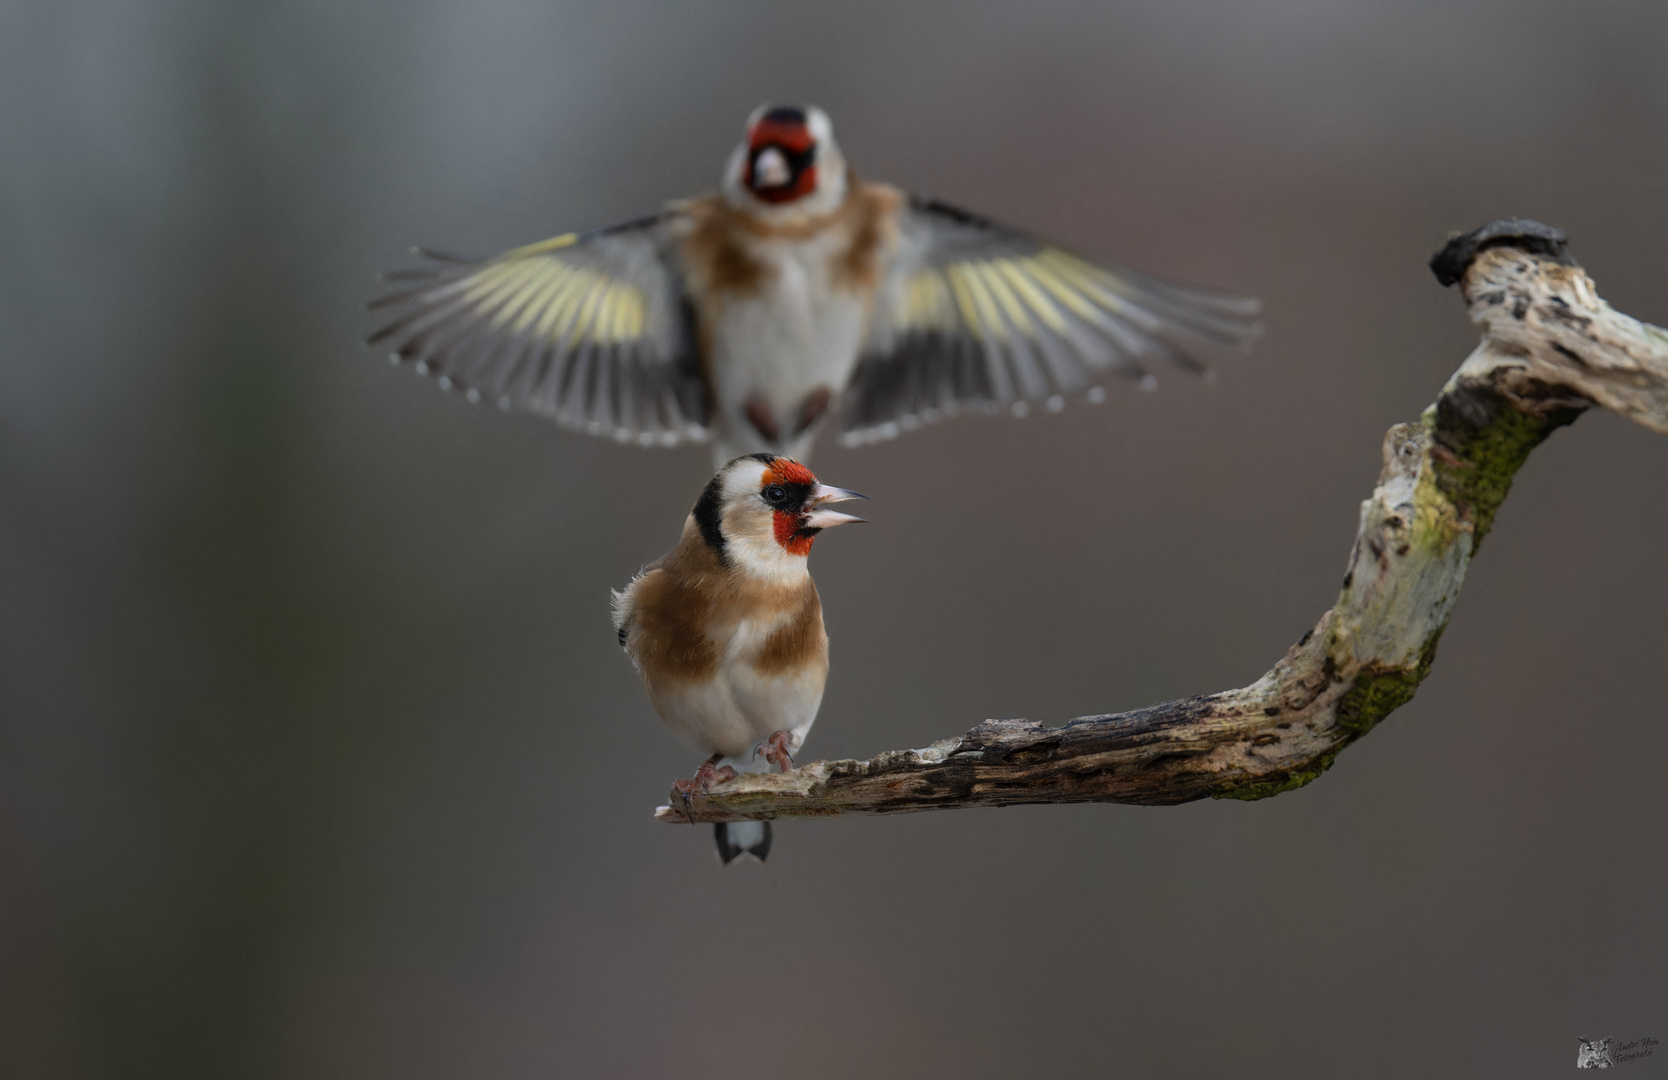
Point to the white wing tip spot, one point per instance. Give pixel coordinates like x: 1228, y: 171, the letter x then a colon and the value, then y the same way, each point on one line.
x: 444, y: 382
x: 422, y: 367
x: 1056, y: 403
x: 1096, y: 395
x: 1148, y: 382
x: 472, y: 395
x: 504, y: 403
x: 394, y: 358
x: 1020, y: 409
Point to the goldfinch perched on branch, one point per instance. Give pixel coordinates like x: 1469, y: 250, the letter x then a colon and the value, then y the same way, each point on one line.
x: 726, y: 628
x: 796, y: 295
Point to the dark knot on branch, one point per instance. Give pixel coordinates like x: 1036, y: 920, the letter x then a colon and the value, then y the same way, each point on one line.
x: 1450, y: 264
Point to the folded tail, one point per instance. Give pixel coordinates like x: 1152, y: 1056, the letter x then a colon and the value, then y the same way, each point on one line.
x: 742, y: 838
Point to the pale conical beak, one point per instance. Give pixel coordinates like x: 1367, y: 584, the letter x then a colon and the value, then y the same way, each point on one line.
x: 822, y: 493
x: 770, y: 168
x: 816, y: 517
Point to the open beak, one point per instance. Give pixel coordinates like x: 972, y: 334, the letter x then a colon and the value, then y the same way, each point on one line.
x: 817, y: 517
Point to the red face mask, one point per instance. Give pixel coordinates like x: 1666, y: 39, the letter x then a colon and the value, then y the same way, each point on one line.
x: 781, y: 160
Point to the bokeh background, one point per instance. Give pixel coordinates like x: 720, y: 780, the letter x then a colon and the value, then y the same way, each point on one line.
x: 317, y: 755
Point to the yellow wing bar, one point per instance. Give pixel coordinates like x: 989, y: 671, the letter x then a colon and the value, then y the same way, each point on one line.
x: 998, y: 297
x: 530, y: 291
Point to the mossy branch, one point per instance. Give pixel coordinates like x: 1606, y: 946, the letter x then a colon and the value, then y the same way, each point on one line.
x: 1550, y: 349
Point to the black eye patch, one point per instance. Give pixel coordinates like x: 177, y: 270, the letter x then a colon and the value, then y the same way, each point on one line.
x: 789, y: 497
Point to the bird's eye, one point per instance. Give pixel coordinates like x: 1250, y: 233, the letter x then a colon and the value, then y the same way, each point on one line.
x: 774, y: 494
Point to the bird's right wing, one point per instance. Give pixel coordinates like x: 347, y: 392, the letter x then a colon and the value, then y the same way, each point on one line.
x: 974, y: 314
x: 590, y: 329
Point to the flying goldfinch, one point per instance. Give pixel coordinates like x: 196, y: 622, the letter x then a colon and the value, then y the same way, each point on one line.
x: 796, y: 296
x: 726, y: 628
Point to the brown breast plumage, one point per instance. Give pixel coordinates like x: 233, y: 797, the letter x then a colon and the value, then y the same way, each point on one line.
x: 686, y: 607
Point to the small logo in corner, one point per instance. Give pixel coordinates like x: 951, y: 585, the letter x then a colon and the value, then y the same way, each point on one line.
x: 1594, y: 1054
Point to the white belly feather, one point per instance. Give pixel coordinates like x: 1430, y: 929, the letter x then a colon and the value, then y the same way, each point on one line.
x: 803, y: 330
x: 740, y: 708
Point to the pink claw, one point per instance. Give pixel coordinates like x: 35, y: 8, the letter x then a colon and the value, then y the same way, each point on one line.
x: 776, y: 751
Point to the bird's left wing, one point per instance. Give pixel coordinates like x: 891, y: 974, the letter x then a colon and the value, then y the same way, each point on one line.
x: 974, y: 314
x: 590, y: 329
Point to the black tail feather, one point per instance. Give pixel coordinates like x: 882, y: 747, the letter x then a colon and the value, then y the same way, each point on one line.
x: 729, y: 848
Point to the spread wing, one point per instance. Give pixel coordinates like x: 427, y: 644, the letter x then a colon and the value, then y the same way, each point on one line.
x: 977, y: 315
x: 590, y: 329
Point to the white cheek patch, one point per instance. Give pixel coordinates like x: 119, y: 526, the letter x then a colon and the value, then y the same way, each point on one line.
x: 822, y: 129
x: 761, y: 557
x: 745, y: 478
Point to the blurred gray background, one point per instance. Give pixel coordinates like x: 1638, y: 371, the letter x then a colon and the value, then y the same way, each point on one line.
x: 317, y: 755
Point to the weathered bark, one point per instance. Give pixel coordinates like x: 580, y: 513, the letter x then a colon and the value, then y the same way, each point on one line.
x: 1550, y: 349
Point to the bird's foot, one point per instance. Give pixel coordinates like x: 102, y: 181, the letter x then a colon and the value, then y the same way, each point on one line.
x: 707, y: 775
x: 776, y: 751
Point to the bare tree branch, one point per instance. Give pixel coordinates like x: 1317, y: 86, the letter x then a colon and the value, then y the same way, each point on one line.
x: 1550, y: 349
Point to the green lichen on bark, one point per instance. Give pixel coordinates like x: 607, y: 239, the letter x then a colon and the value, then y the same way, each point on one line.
x: 1487, y: 438
x: 1378, y: 692
x: 1263, y: 789
x: 1374, y: 696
